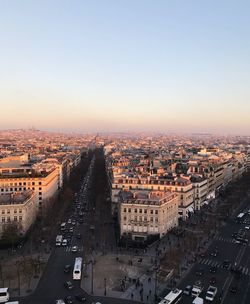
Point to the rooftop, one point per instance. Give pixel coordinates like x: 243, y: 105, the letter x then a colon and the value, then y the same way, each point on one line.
x: 15, y: 198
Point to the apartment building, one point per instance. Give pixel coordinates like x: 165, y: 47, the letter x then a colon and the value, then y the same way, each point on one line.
x: 17, y: 209
x: 146, y: 213
x: 179, y: 185
x: 43, y: 184
x: 200, y: 186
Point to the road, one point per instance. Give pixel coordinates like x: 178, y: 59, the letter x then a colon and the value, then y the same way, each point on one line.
x: 237, y: 254
x: 96, y: 230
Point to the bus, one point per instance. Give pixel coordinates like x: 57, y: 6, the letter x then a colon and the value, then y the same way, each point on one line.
x: 4, y: 295
x: 173, y: 297
x: 63, y: 226
x: 59, y: 239
x: 77, y: 271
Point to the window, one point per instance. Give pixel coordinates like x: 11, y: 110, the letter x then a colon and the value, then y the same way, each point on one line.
x: 156, y: 211
x: 40, y: 183
x: 24, y: 183
x: 135, y: 210
x: 8, y: 219
x: 140, y: 210
x: 145, y: 210
x: 3, y: 219
x: 8, y: 211
x: 33, y: 183
x: 40, y: 188
x: 129, y: 210
x: 20, y: 210
x: 20, y: 184
x: 20, y: 218
x: 15, y: 211
x: 15, y: 218
x: 124, y: 210
x: 124, y: 218
x: 151, y: 219
x: 151, y: 211
x: 40, y: 193
x: 3, y: 211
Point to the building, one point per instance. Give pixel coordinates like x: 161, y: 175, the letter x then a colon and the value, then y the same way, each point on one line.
x: 147, y: 213
x: 17, y: 209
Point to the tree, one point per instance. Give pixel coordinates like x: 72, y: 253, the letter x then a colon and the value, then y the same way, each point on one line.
x: 10, y: 234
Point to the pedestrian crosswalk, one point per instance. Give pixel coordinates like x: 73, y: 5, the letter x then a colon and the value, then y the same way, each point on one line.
x: 217, y: 264
x: 226, y: 240
x: 69, y: 249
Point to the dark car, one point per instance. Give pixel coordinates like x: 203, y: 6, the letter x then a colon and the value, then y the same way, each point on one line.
x: 213, y: 269
x: 212, y: 281
x: 226, y: 264
x: 80, y: 298
x: 67, y: 268
x: 214, y: 253
x: 233, y: 289
x: 199, y: 272
x: 78, y: 236
x: 69, y: 285
x: 69, y: 300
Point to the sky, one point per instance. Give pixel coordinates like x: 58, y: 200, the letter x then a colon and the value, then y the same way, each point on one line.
x: 131, y: 65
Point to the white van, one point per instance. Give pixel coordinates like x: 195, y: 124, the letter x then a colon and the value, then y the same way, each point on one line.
x: 4, y: 295
x: 198, y: 300
x: 14, y: 302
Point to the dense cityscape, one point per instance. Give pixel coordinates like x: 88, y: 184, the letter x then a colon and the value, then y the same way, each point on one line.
x: 144, y: 214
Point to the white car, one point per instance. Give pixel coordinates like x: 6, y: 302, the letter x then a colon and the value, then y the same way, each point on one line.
x: 64, y: 242
x: 60, y: 301
x: 247, y: 227
x: 74, y: 249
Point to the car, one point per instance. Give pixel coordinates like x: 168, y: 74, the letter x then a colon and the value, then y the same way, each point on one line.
x: 68, y: 285
x: 187, y: 290
x: 214, y: 253
x: 69, y: 300
x: 212, y: 281
x: 199, y: 272
x: 67, y: 268
x: 226, y: 264
x: 71, y: 229
x: 60, y: 301
x: 69, y: 221
x: 64, y: 242
x: 233, y: 289
x: 247, y: 227
x: 213, y: 269
x: 78, y: 236
x: 80, y: 298
x: 74, y: 249
x: 73, y: 222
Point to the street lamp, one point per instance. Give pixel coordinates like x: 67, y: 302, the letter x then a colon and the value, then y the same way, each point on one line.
x: 105, y: 286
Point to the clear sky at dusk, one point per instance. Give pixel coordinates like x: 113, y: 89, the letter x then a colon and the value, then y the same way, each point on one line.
x: 170, y: 65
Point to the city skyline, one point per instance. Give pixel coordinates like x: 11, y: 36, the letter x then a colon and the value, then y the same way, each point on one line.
x: 134, y: 66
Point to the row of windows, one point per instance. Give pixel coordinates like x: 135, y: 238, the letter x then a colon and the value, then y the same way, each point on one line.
x: 19, y: 189
x: 8, y: 211
x: 152, y: 219
x: 7, y: 220
x: 22, y: 184
x: 140, y: 211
